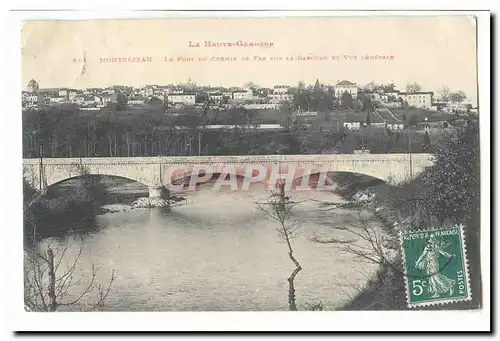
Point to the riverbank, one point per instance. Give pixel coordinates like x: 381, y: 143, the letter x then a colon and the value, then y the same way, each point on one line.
x: 74, y: 204
x: 385, y: 290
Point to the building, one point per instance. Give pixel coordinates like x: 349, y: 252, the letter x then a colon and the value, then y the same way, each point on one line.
x: 373, y: 96
x: 243, y: 94
x: 147, y: 91
x: 56, y: 100
x: 32, y: 86
x: 361, y: 151
x: 216, y: 97
x: 161, y: 97
x: 421, y: 99
x: 392, y: 95
x: 378, y: 124
x: 88, y: 100
x: 49, y: 92
x: 281, y: 89
x: 261, y: 106
x: 72, y: 94
x: 30, y: 99
x: 280, y: 97
x: 394, y: 105
x: 89, y: 91
x: 107, y: 98
x: 136, y: 100
x: 395, y: 126
x: 89, y: 108
x: 280, y: 94
x: 79, y: 99
x: 306, y: 113
x: 345, y: 86
x: 352, y: 125
x: 174, y: 90
x: 63, y: 93
x: 184, y: 98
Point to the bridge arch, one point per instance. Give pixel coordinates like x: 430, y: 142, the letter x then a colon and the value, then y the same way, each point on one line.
x: 83, y: 176
x: 330, y: 173
x: 384, y: 171
x: 185, y: 179
x: 55, y: 173
x: 330, y: 176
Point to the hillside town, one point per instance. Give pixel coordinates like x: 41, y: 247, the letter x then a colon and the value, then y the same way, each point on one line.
x: 385, y: 100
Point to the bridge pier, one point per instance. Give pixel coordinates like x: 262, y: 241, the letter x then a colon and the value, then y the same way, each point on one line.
x: 158, y: 192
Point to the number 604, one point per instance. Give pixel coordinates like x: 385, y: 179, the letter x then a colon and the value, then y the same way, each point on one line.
x: 418, y: 287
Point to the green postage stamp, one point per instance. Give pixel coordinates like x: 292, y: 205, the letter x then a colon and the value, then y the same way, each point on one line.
x: 435, y: 266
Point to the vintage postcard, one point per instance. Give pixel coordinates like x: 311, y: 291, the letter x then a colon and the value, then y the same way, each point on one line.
x: 326, y: 163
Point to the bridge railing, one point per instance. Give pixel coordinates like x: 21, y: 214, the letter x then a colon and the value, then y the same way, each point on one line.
x: 238, y: 159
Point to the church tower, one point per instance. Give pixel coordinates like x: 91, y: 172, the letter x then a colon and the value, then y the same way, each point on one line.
x: 32, y: 86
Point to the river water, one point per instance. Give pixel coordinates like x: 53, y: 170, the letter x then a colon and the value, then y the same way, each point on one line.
x: 219, y: 252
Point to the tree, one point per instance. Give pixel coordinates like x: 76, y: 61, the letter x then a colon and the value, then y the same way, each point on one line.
x: 371, y: 243
x: 279, y: 208
x: 317, y: 86
x: 372, y: 86
x: 346, y: 100
x: 292, y: 144
x: 368, y: 118
x: 427, y: 141
x: 48, y: 285
x: 250, y: 85
x: 413, y: 120
x: 153, y: 100
x: 202, y: 98
x: 453, y: 180
x: 121, y: 101
x: 414, y: 87
x: 388, y: 87
x: 444, y: 92
x: 457, y: 97
x: 366, y: 102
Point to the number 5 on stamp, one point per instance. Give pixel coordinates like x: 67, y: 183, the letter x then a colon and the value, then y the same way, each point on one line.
x: 435, y: 266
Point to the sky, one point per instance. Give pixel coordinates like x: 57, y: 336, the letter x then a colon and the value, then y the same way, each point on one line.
x: 431, y: 51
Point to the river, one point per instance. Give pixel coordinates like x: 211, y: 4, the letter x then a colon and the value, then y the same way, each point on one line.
x: 219, y: 252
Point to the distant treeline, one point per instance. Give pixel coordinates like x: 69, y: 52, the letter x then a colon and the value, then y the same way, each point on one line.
x: 54, y: 132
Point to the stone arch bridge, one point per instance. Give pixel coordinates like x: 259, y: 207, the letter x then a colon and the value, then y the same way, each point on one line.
x: 155, y: 172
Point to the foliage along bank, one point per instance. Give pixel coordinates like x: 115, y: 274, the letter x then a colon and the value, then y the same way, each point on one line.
x: 444, y: 194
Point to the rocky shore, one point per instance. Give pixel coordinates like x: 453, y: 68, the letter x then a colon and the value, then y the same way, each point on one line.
x: 143, y: 202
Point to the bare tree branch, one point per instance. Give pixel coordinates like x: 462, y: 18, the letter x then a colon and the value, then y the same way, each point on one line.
x: 279, y: 208
x: 46, y: 289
